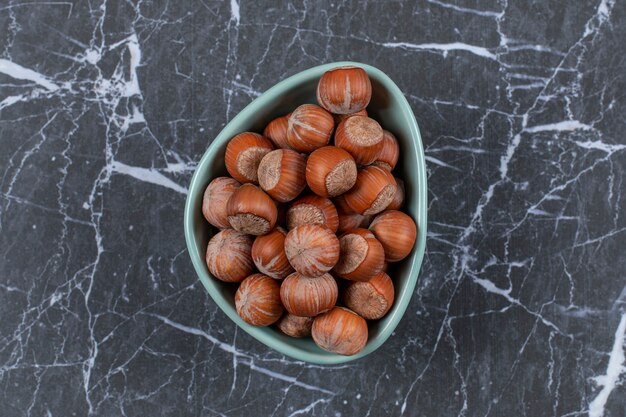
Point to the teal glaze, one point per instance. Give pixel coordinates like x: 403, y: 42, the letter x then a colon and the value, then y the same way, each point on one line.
x: 391, y: 109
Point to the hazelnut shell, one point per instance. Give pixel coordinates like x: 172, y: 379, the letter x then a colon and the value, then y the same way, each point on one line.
x: 361, y: 256
x: 353, y: 221
x: 344, y: 90
x: 295, y: 326
x: 397, y: 232
x: 341, y: 205
x: 340, y: 331
x: 389, y: 152
x: 282, y: 174
x: 330, y: 171
x: 373, y: 191
x: 215, y: 200
x: 398, y: 198
x: 371, y: 299
x: 228, y: 256
x: 308, y: 296
x: 312, y: 209
x: 268, y: 254
x: 251, y: 211
x: 309, y: 128
x: 312, y: 249
x: 257, y: 300
x: 243, y: 155
x: 361, y: 137
x: 276, y: 131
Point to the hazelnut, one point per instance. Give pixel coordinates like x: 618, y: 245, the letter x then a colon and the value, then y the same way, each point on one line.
x: 389, y: 153
x: 243, y: 155
x: 257, y: 300
x: 215, y: 199
x: 251, y: 211
x: 330, y: 171
x: 340, y: 331
x: 310, y: 127
x: 361, y: 256
x: 344, y: 90
x: 341, y: 205
x: 312, y: 209
x: 362, y: 137
x: 228, y: 256
x: 295, y: 326
x: 308, y: 296
x: 312, y: 249
x: 268, y: 254
x: 397, y: 232
x: 372, y: 299
x: 282, y: 174
x: 373, y: 191
x: 276, y: 131
x: 341, y: 117
x: 398, y: 197
x: 353, y: 221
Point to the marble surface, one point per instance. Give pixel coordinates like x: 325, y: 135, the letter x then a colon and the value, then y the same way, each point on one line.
x: 106, y: 106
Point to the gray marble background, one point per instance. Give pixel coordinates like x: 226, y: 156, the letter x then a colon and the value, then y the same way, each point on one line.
x: 106, y: 106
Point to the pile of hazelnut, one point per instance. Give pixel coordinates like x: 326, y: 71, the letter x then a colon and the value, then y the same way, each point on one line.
x: 314, y: 220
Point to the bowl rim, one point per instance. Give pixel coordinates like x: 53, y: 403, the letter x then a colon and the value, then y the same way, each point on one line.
x: 210, y: 284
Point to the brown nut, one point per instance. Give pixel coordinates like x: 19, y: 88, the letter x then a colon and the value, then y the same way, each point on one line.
x: 257, y: 300
x: 341, y: 117
x: 282, y: 174
x: 312, y: 249
x: 361, y: 256
x: 228, y: 256
x: 340, y: 331
x: 342, y: 206
x: 295, y: 326
x: 372, y: 299
x: 215, y: 200
x: 268, y: 254
x: 312, y: 209
x: 330, y: 171
x: 308, y: 296
x: 373, y: 191
x: 276, y: 131
x: 353, y: 221
x: 398, y: 197
x: 397, y: 232
x: 344, y: 90
x: 362, y: 137
x: 243, y: 155
x: 389, y: 153
x: 251, y: 211
x: 310, y: 127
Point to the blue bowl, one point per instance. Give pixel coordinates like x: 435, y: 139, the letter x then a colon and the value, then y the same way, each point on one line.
x: 391, y: 109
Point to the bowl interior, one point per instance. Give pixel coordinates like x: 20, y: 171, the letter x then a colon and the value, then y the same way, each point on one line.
x: 390, y: 108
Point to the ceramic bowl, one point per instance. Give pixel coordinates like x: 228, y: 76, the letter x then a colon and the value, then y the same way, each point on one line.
x: 391, y: 109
